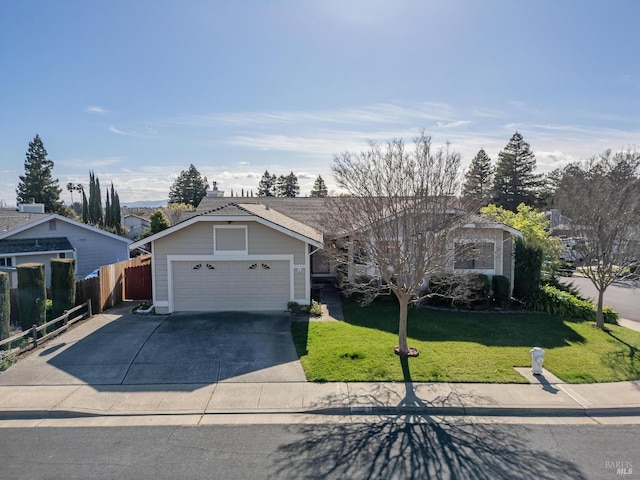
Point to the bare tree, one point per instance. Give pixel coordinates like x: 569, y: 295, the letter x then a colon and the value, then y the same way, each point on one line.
x: 397, y: 223
x: 177, y: 211
x: 601, y: 197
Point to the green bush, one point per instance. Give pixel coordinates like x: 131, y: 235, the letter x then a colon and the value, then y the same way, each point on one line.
x: 449, y: 289
x: 552, y: 300
x: 5, y: 306
x: 32, y: 294
x: 500, y: 285
x: 527, y: 271
x: 315, y: 308
x: 63, y: 285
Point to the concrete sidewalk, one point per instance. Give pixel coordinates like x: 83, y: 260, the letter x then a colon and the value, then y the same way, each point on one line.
x: 74, y: 402
x: 230, y: 402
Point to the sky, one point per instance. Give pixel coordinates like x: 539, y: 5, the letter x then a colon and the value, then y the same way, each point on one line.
x: 136, y: 91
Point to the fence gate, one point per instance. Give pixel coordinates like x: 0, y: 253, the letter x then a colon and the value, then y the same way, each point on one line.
x: 137, y: 282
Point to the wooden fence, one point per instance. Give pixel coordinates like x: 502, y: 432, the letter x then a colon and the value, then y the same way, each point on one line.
x: 64, y: 321
x: 112, y: 280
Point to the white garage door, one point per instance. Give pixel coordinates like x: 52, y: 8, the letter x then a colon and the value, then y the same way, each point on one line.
x: 230, y: 285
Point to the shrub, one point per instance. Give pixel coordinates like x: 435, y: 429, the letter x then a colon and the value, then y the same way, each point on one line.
x: 447, y: 290
x: 5, y: 306
x: 32, y: 294
x: 293, y: 307
x: 63, y: 285
x: 315, y: 308
x: 552, y: 300
x: 500, y: 285
x: 527, y: 271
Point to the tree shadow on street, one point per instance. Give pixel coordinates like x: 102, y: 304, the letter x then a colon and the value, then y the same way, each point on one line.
x: 416, y: 445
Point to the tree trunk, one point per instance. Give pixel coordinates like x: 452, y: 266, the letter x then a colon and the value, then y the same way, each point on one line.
x: 599, y: 315
x: 402, y: 326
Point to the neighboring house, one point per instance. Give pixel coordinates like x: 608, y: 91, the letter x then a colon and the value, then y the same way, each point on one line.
x: 260, y: 253
x: 136, y: 225
x: 30, y: 235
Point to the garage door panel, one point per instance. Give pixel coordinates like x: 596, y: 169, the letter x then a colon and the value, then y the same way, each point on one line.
x: 231, y: 285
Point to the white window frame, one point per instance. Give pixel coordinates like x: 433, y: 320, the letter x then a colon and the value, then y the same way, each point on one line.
x: 231, y: 252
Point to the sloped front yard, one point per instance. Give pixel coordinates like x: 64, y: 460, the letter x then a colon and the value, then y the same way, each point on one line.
x: 462, y: 347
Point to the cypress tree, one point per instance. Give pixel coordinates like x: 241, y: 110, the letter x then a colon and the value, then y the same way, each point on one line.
x: 63, y: 285
x: 5, y: 306
x: 32, y: 294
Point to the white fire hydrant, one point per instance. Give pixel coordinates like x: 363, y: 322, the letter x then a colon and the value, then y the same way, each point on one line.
x: 537, y: 359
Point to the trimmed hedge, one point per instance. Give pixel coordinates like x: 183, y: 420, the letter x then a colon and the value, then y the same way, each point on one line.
x: 63, y: 285
x: 452, y: 289
x: 500, y: 285
x: 5, y: 306
x: 552, y: 300
x: 32, y: 294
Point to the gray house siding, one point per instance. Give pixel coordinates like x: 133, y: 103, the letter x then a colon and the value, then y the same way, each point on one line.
x: 93, y: 249
x: 197, y: 240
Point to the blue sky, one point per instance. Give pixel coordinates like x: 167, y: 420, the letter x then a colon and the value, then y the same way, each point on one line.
x: 138, y: 90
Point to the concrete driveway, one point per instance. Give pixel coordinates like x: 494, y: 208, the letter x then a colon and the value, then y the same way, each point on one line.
x: 118, y: 348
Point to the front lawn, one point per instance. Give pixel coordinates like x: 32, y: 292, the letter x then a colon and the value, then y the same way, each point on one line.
x: 462, y: 347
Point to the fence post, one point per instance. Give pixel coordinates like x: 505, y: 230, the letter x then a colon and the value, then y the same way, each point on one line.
x: 66, y: 317
x: 34, y: 332
x: 89, y: 311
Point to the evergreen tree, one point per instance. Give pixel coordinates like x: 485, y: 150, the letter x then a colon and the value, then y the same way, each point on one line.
x: 266, y: 187
x: 108, y: 222
x: 94, y: 216
x: 479, y: 179
x: 319, y: 188
x: 514, y: 180
x: 290, y: 188
x: 116, y: 214
x: 190, y: 187
x: 85, y: 208
x: 37, y: 183
x: 158, y: 222
x: 280, y: 186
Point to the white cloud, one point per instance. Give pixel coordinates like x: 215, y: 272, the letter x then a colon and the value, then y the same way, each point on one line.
x: 113, y: 129
x: 96, y: 110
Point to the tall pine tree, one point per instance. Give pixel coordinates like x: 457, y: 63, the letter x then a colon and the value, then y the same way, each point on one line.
x: 190, y: 187
x: 267, y: 185
x: 478, y: 182
x: 291, y: 188
x: 514, y: 180
x: 319, y: 188
x: 37, y: 184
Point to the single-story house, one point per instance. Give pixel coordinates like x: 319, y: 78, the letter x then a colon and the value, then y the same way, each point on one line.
x: 135, y: 224
x: 260, y: 253
x: 30, y: 235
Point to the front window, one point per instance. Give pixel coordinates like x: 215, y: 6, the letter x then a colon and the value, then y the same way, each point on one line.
x: 5, y: 261
x: 474, y: 256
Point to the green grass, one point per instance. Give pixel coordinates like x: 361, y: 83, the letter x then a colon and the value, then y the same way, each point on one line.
x: 462, y: 347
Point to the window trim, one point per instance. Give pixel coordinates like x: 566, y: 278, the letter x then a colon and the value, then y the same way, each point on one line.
x: 473, y: 260
x: 231, y: 252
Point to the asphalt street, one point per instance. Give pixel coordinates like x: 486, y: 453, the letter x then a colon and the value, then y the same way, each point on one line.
x: 385, y: 450
x: 621, y: 296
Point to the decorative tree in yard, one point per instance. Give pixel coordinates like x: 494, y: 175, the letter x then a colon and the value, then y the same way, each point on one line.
x: 514, y: 179
x: 479, y: 179
x: 319, y: 188
x: 37, y: 184
x: 190, y: 187
x: 394, y: 228
x: 601, y: 197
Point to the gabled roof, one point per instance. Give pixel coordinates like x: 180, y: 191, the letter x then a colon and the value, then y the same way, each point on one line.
x: 12, y: 222
x: 229, y: 211
x: 35, y: 245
